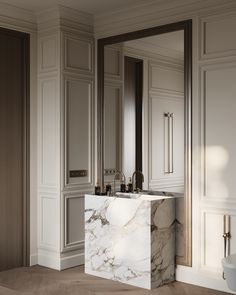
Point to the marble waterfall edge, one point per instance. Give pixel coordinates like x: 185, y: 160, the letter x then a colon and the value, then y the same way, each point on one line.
x: 130, y: 240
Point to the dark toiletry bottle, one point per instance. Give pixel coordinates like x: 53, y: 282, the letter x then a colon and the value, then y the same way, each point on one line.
x: 122, y: 187
x: 129, y: 186
x: 108, y: 189
x: 97, y: 189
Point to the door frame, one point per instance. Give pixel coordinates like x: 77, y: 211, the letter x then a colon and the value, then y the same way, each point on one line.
x: 25, y: 39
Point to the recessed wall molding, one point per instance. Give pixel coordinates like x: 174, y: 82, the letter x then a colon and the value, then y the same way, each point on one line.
x: 217, y: 39
x: 73, y: 237
x: 160, y: 75
x: 212, y: 243
x: 48, y: 132
x: 78, y: 46
x: 158, y: 105
x: 78, y: 112
x: 213, y: 107
x: 113, y: 63
x: 48, y: 53
x: 48, y: 220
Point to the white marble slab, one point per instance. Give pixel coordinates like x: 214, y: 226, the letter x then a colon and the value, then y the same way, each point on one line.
x: 131, y: 240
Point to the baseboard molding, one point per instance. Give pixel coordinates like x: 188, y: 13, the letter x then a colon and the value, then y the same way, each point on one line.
x: 50, y: 260
x: 72, y: 261
x: 33, y: 259
x: 201, y: 278
x: 55, y: 261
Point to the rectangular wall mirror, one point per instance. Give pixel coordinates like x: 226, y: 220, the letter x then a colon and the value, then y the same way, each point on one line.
x: 144, y: 115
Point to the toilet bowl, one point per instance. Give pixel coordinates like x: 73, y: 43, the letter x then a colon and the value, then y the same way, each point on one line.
x: 229, y: 266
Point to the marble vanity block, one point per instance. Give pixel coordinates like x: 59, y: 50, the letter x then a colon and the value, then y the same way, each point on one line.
x: 130, y: 240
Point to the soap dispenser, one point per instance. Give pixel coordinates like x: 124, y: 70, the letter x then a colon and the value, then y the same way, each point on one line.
x: 129, y: 186
x: 97, y: 189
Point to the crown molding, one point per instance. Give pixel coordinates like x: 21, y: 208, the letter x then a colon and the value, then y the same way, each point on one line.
x: 155, y: 13
x: 154, y: 49
x: 16, y: 18
x: 61, y: 16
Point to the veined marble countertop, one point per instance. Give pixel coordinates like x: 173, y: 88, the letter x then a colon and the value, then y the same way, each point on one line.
x: 149, y: 195
x: 130, y: 239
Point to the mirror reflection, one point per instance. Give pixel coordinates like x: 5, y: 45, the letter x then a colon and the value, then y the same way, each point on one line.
x: 144, y: 117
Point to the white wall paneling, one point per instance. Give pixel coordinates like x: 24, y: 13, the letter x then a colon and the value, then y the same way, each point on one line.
x: 217, y: 68
x: 113, y: 62
x: 49, y: 132
x: 166, y: 150
x: 213, y: 46
x: 162, y: 74
x: 49, y: 220
x: 218, y: 36
x: 212, y: 242
x: 158, y: 106
x: 66, y: 134
x: 218, y: 105
x: 48, y: 53
x: 78, y: 54
x: 73, y: 216
x: 79, y: 130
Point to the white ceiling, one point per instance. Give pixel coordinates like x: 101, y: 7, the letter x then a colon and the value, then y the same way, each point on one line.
x: 90, y: 6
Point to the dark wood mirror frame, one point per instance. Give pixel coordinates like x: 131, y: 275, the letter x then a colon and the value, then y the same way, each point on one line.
x: 186, y: 26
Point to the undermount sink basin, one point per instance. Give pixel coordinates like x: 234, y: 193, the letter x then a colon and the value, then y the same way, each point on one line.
x: 149, y: 195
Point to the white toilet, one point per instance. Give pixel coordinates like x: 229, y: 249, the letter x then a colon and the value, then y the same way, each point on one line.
x: 229, y: 266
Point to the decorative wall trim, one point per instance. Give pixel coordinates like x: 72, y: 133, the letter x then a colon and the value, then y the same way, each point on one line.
x: 204, y: 229
x: 72, y: 260
x: 49, y: 259
x: 54, y: 228
x: 162, y: 96
x: 204, y: 68
x: 119, y: 75
x: 48, y: 49
x: 76, y: 245
x: 165, y: 67
x: 65, y: 17
x: 89, y: 184
x: 204, y: 21
x: 89, y: 69
x: 204, y: 279
x: 156, y: 14
x: 55, y: 261
x: 52, y: 98
x: 16, y: 18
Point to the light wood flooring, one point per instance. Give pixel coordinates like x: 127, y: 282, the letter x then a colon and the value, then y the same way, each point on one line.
x: 42, y: 281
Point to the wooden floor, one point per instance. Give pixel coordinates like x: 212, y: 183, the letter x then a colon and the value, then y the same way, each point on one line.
x: 39, y: 280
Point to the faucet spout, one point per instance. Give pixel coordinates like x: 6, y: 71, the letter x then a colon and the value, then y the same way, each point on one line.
x: 133, y: 183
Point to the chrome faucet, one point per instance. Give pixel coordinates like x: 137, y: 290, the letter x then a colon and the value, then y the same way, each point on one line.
x: 137, y: 188
x: 122, y: 176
